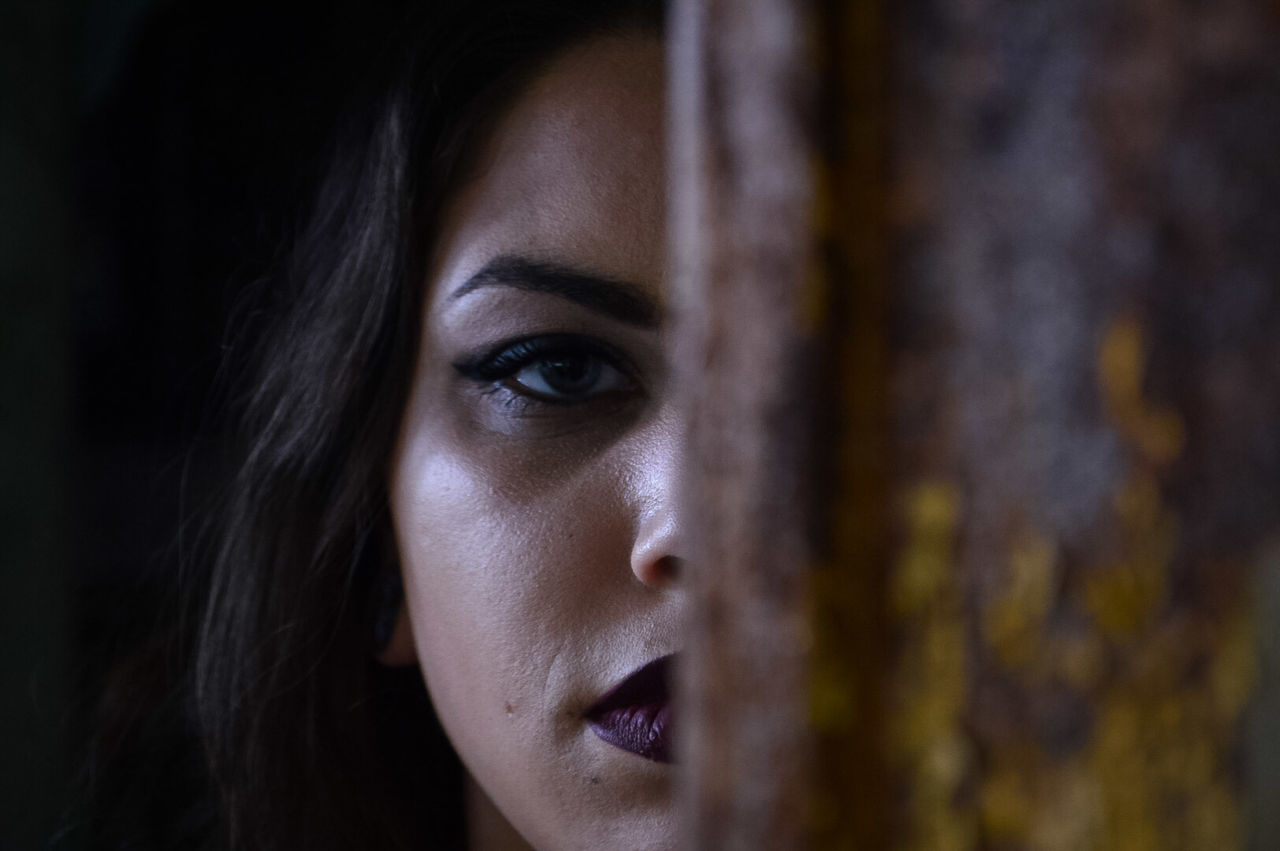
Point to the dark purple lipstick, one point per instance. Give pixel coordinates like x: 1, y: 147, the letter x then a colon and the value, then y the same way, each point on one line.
x: 635, y: 715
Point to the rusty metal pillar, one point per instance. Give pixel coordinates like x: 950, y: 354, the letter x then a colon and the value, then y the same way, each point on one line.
x: 742, y: 201
x: 780, y: 277
x: 1087, y: 406
x: 980, y: 315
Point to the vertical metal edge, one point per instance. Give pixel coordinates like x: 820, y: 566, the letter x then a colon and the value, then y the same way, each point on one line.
x: 1262, y: 731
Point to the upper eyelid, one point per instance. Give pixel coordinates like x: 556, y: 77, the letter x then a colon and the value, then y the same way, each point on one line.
x: 476, y: 364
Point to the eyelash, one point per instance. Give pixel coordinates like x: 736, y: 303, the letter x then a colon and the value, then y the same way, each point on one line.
x: 502, y: 365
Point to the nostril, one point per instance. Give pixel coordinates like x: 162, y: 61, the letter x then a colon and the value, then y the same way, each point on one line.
x: 667, y: 571
x: 660, y: 574
x: 655, y: 555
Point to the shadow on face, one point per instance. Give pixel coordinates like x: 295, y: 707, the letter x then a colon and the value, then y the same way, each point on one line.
x: 532, y: 487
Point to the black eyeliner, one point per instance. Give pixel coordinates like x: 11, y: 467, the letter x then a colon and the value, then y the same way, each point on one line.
x: 506, y: 358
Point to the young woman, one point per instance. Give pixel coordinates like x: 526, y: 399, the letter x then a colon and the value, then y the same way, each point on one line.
x: 461, y: 390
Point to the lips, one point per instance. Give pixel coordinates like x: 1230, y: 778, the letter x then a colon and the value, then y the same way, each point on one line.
x: 635, y: 715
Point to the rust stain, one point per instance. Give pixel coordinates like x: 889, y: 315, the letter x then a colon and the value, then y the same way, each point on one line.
x: 925, y: 566
x: 1127, y: 596
x: 927, y: 739
x: 1014, y: 622
x: 1167, y: 681
x: 1157, y: 432
x: 1167, y: 715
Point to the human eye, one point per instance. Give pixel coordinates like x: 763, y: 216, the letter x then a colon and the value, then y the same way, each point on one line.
x: 557, y: 369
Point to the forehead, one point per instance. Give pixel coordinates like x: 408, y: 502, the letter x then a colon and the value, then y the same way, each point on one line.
x: 573, y: 172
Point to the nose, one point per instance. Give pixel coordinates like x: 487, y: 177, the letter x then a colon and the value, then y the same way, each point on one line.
x: 654, y: 557
x: 657, y: 554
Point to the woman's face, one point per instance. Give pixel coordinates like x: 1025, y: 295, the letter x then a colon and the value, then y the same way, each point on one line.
x: 533, y: 484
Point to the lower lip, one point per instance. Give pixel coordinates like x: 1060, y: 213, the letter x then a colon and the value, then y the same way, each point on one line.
x: 642, y: 730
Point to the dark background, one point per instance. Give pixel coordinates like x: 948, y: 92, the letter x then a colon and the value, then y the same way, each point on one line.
x: 152, y: 153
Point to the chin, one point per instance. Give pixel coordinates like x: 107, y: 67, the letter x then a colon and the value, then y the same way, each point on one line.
x: 608, y: 816
x: 656, y: 833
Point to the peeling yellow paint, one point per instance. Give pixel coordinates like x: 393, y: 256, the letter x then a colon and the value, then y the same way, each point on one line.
x: 1167, y: 680
x: 1158, y: 433
x: 1127, y: 595
x: 1069, y: 810
x: 1234, y: 674
x: 930, y: 690
x: 1163, y: 733
x: 1079, y: 660
x: 926, y: 562
x: 831, y: 699
x: 1013, y: 624
x: 1008, y: 806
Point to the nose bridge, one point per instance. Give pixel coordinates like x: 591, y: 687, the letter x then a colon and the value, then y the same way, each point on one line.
x: 657, y: 553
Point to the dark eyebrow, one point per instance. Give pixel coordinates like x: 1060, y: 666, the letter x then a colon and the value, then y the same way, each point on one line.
x: 618, y: 300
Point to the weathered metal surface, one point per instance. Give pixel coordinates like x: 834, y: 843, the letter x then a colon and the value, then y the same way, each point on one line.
x: 986, y: 453
x: 1087, y: 400
x: 850, y: 657
x: 742, y: 220
x: 781, y: 263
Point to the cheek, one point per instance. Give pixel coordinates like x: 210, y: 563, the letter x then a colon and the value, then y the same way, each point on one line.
x: 509, y: 576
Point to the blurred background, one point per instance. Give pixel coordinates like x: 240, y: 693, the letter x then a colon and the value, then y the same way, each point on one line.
x: 150, y: 152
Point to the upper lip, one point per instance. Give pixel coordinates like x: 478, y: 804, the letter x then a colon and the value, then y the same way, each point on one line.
x: 648, y: 683
x: 635, y: 714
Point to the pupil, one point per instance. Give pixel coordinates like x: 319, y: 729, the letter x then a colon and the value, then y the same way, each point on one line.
x: 569, y: 375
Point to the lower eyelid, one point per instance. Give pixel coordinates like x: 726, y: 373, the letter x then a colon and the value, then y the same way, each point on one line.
x: 505, y: 411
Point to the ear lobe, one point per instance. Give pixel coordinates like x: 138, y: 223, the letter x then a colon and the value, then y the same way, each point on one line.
x: 399, y: 650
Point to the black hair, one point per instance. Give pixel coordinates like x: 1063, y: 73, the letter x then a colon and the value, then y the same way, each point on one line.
x: 306, y: 741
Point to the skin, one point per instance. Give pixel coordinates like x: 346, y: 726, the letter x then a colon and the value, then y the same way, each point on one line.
x: 538, y: 531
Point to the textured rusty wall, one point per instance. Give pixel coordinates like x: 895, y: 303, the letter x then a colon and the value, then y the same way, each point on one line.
x: 1087, y: 401
x: 742, y: 216
x: 981, y: 312
x: 780, y: 269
